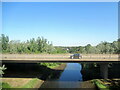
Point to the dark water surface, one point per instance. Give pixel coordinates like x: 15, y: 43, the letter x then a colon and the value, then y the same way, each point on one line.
x: 71, y: 77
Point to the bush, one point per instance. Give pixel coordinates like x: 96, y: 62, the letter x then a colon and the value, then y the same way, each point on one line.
x: 2, y: 69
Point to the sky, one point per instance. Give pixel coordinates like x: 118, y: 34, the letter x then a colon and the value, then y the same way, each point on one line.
x: 62, y: 23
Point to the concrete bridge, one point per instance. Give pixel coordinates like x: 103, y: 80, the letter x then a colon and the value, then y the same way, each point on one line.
x: 34, y: 58
x: 101, y: 59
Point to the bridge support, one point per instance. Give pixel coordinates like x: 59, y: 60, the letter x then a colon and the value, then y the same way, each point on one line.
x: 104, y: 70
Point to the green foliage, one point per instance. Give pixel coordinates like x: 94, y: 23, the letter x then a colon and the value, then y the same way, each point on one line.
x: 73, y: 50
x: 81, y: 49
x: 60, y: 50
x: 100, y: 85
x: 2, y: 69
x: 4, y: 40
x: 102, y: 48
x: 5, y: 85
x: 106, y: 84
x: 41, y: 45
x: 50, y: 65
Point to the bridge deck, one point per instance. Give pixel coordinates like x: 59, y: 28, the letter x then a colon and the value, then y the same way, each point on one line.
x: 9, y: 58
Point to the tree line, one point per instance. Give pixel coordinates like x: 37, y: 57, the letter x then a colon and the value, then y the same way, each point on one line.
x: 42, y: 45
x: 39, y: 45
x: 101, y: 48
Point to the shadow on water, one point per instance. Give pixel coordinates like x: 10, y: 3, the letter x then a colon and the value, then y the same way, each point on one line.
x: 22, y: 70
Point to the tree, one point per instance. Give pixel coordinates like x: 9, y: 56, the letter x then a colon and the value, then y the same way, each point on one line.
x: 87, y: 48
x: 41, y: 45
x: 81, y: 49
x: 73, y: 50
x: 33, y: 45
x: 4, y: 40
x: 115, y: 46
x: 102, y: 47
x: 13, y: 44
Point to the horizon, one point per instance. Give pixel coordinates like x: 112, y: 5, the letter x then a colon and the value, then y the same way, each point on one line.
x: 63, y: 23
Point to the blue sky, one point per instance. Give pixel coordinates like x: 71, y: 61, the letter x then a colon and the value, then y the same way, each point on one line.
x: 62, y: 23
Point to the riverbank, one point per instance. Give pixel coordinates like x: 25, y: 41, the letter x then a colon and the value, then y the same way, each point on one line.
x: 99, y: 84
x: 21, y: 82
x: 88, y: 85
x: 108, y: 84
x: 44, y: 73
x: 92, y: 71
x: 31, y: 77
x: 60, y: 67
x: 69, y: 78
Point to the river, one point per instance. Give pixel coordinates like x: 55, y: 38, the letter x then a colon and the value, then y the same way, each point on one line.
x: 71, y: 77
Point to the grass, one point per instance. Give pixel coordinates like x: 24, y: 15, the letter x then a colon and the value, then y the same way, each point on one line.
x: 102, y: 84
x: 31, y: 84
x: 5, y: 85
x: 50, y: 65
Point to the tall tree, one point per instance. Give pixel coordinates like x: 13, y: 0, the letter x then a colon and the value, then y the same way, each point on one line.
x: 4, y: 42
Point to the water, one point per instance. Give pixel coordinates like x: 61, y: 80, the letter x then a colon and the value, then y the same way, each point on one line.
x: 71, y: 73
x: 70, y: 78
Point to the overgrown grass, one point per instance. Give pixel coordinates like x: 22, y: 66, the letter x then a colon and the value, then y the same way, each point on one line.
x: 50, y: 65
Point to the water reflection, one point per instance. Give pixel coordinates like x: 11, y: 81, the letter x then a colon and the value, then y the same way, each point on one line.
x: 70, y: 78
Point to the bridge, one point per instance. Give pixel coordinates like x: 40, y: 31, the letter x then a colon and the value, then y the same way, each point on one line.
x: 13, y: 60
x: 34, y: 58
x: 102, y: 59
